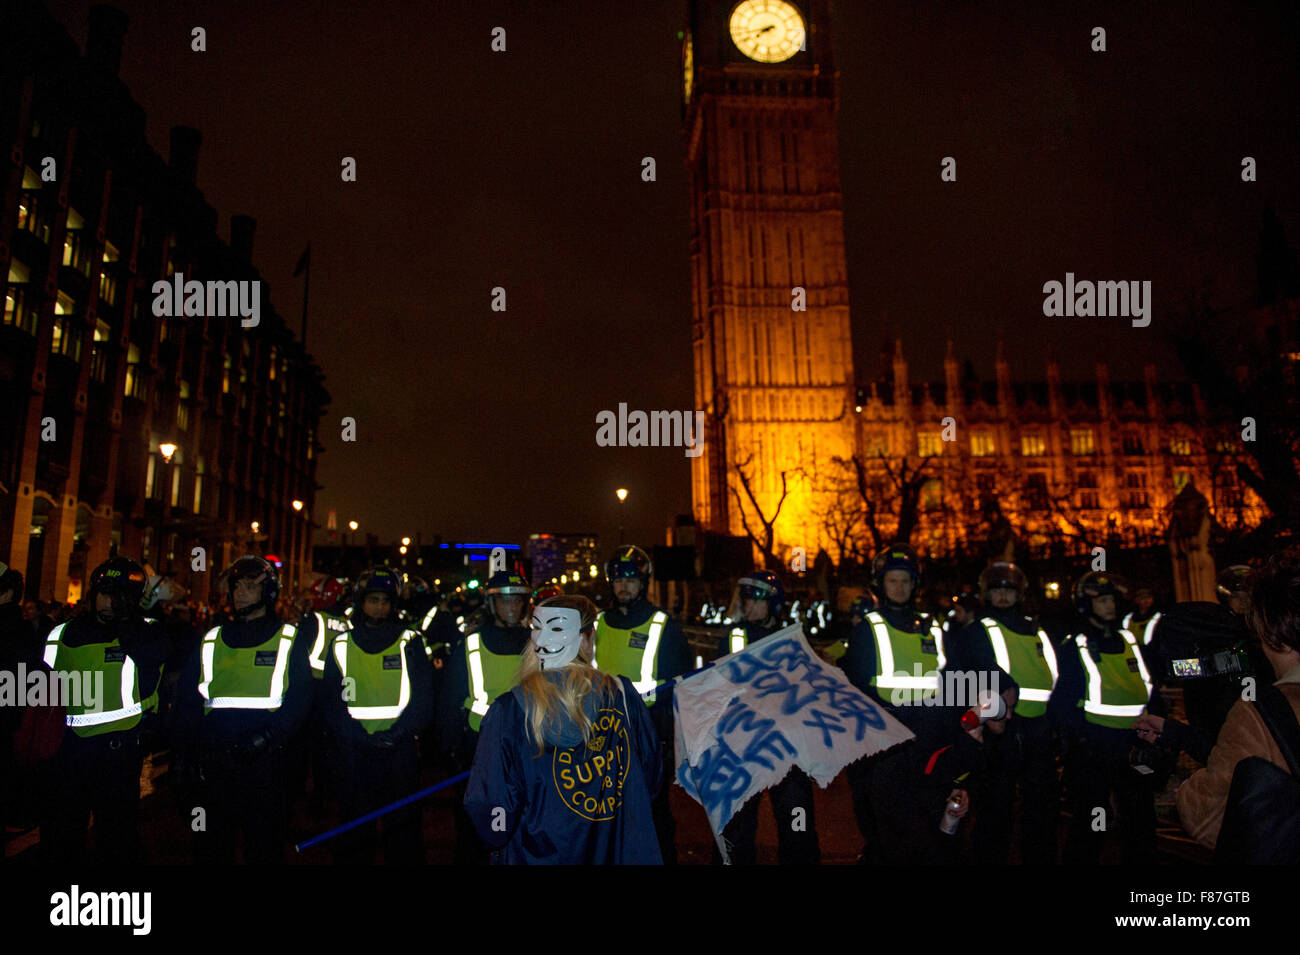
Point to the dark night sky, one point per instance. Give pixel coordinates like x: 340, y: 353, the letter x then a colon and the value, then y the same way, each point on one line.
x: 522, y: 169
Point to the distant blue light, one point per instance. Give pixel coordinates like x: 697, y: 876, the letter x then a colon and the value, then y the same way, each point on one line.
x: 478, y: 557
x: 485, y: 546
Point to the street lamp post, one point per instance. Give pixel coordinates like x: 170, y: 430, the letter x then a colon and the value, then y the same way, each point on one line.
x: 298, y: 544
x: 622, y: 496
x: 167, y: 449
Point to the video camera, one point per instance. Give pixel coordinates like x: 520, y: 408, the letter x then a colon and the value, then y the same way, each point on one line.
x: 1200, y: 640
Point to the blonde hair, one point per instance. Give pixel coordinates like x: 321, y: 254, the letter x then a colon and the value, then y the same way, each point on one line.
x: 546, y: 699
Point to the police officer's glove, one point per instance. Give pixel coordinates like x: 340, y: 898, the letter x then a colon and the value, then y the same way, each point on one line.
x: 254, y: 744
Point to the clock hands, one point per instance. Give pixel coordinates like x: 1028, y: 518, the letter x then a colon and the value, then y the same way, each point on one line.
x: 770, y: 26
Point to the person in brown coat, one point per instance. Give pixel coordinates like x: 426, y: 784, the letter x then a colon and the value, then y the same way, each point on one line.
x: 1275, y: 617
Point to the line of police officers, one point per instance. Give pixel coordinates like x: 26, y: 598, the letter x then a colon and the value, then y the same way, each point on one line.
x: 367, y: 680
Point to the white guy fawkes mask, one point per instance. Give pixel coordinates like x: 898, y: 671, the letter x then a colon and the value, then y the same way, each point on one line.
x: 557, y: 633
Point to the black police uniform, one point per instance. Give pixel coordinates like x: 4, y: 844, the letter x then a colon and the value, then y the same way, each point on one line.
x: 1097, y: 761
x: 859, y: 664
x: 380, y: 768
x: 793, y: 792
x: 458, y: 741
x: 672, y: 661
x: 240, y: 753
x: 1023, y: 755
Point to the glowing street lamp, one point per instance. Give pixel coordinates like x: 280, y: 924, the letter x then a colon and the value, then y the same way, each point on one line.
x: 622, y: 496
x: 353, y: 525
x: 167, y: 450
x: 406, y: 542
x: 297, y: 505
x: 257, y: 528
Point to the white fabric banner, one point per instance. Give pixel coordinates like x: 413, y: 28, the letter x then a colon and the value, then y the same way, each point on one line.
x: 743, y: 723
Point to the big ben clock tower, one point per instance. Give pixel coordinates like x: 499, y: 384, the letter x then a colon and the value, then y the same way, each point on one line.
x: 770, y: 332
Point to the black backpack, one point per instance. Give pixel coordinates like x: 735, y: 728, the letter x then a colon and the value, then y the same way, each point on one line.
x: 1261, y: 823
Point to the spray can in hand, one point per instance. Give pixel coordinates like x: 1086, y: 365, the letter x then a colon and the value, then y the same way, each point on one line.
x: 952, y: 813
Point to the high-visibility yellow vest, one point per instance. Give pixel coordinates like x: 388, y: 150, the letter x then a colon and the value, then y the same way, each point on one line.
x: 631, y: 652
x: 906, y: 662
x: 1148, y: 630
x: 121, y: 709
x: 328, y: 627
x: 490, y: 675
x: 1028, y: 658
x: 245, y: 678
x: 737, y: 640
x: 381, y: 687
x: 1118, y: 687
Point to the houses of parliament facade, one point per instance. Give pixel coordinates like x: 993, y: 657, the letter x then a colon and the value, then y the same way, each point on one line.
x: 794, y: 437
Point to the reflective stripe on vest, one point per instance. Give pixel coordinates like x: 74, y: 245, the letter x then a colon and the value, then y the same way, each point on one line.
x: 1120, y: 715
x: 888, y: 676
x: 487, y: 683
x: 317, y: 656
x: 738, y: 639
x: 274, y: 697
x: 621, y: 656
x: 1148, y: 632
x: 376, y: 712
x: 1031, y: 684
x: 424, y: 627
x: 128, y: 688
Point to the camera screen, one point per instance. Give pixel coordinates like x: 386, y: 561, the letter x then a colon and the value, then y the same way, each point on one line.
x: 1190, y: 667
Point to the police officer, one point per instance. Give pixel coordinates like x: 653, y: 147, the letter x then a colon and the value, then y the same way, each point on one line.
x: 484, y: 665
x: 380, y: 697
x: 636, y: 639
x: 894, y: 656
x: 757, y: 607
x: 110, y: 651
x: 245, y: 692
x: 1105, y: 685
x: 1142, y: 620
x: 1003, y: 637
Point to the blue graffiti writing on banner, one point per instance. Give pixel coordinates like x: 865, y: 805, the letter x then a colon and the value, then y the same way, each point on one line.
x: 863, y: 712
x: 766, y: 737
x: 775, y: 681
x: 769, y: 658
x: 747, y: 739
x: 819, y: 721
x: 721, y: 779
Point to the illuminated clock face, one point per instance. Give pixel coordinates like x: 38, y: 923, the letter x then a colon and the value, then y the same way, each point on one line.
x: 769, y: 31
x: 688, y: 66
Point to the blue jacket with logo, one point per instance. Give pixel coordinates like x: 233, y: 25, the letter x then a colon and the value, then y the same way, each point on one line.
x: 577, y: 803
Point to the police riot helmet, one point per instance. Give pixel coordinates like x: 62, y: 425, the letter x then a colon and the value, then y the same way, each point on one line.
x: 259, y: 570
x: 1096, y: 583
x: 121, y: 579
x: 378, y: 580
x: 629, y: 561
x: 898, y: 556
x: 506, y: 583
x: 1232, y: 581
x: 763, y: 585
x: 1003, y: 575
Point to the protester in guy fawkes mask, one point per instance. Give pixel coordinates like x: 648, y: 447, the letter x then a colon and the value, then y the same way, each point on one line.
x: 566, y: 713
